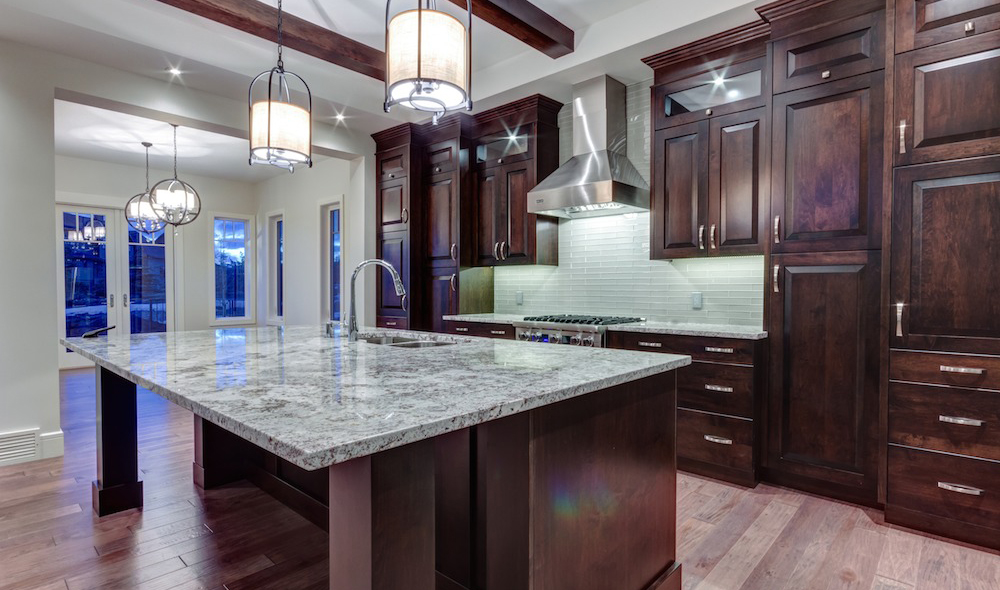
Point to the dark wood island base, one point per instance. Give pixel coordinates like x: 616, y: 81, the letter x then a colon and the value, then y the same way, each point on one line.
x: 579, y: 494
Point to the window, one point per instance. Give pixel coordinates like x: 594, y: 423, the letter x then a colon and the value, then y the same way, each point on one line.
x: 233, y: 269
x: 335, y: 264
x: 275, y: 261
x: 331, y: 260
x: 280, y: 265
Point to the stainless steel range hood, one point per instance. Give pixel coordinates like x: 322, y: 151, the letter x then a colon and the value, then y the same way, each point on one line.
x: 599, y: 179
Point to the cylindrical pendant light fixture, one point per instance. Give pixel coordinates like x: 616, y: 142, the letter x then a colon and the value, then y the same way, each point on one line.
x: 173, y: 200
x: 428, y: 59
x: 139, y: 210
x: 280, y: 130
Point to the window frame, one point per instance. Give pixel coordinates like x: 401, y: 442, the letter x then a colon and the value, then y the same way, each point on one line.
x: 250, y: 276
x: 273, y: 217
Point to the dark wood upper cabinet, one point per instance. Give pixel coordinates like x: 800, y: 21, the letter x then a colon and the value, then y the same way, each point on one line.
x: 737, y: 87
x: 679, y: 195
x: 823, y: 408
x: 442, y: 156
x: 393, y: 163
x: 827, y: 165
x: 513, y: 228
x: 443, y: 217
x: 948, y: 101
x: 488, y: 197
x: 393, y: 204
x: 920, y: 23
x: 946, y: 257
x: 834, y: 52
x: 737, y: 185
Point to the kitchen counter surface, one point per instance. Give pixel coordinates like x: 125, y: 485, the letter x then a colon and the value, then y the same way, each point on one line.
x: 316, y: 401
x: 651, y: 327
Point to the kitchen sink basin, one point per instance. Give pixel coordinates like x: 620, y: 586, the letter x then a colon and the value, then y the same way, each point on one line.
x: 402, y: 342
x: 421, y: 344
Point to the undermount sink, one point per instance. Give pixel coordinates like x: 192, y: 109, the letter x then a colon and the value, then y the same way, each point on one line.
x: 401, y: 342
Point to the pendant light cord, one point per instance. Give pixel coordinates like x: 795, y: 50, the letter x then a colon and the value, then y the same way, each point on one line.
x: 175, y: 152
x: 147, y: 168
x: 281, y: 63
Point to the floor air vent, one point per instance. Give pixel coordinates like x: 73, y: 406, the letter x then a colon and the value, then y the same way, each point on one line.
x: 16, y: 447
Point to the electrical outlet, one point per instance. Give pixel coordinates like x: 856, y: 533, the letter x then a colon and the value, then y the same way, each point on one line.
x: 519, y: 297
x: 697, y: 300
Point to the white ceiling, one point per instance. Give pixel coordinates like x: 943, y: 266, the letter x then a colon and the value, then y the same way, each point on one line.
x: 92, y: 133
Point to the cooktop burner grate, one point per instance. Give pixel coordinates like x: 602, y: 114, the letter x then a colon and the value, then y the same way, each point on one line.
x: 588, y: 320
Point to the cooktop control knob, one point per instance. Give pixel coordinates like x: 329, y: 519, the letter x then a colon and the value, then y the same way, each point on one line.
x: 575, y: 340
x: 524, y: 336
x: 588, y: 341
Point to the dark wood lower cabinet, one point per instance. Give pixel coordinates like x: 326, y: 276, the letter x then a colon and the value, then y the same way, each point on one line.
x: 822, y: 414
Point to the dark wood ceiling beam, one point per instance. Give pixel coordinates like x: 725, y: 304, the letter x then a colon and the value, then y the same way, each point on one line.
x: 259, y: 19
x: 527, y: 23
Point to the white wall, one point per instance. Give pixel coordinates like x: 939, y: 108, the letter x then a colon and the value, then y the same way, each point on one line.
x: 101, y: 184
x: 299, y: 198
x: 29, y: 80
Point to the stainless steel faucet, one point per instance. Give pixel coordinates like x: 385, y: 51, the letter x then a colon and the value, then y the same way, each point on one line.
x: 352, y: 325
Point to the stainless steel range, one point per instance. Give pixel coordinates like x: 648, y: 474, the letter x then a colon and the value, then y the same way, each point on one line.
x: 577, y: 330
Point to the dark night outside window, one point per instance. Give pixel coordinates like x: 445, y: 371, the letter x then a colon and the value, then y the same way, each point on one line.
x: 280, y: 266
x: 230, y: 268
x: 335, y: 264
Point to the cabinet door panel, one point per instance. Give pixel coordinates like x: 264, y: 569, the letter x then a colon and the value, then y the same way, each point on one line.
x: 393, y: 205
x: 948, y: 101
x: 827, y: 166
x: 444, y: 297
x: 488, y: 195
x: 822, y: 412
x: 735, y: 200
x: 920, y: 23
x: 394, y: 163
x: 946, y: 256
x: 680, y: 192
x: 394, y: 248
x: 515, y: 226
x: 441, y: 200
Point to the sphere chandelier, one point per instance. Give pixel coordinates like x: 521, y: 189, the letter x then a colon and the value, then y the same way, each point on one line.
x: 139, y: 210
x: 280, y: 130
x: 173, y: 200
x: 428, y: 59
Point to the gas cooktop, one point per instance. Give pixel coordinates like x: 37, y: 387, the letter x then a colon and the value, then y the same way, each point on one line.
x: 583, y: 320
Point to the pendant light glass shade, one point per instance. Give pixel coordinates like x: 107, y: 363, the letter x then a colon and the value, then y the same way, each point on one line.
x: 139, y: 210
x: 280, y: 129
x: 94, y: 231
x: 428, y: 60
x: 174, y: 201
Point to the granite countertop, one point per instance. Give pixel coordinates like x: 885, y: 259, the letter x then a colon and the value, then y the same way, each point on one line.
x: 316, y: 400
x: 651, y: 327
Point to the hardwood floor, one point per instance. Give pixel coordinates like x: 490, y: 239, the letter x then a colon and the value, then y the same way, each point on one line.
x: 238, y: 537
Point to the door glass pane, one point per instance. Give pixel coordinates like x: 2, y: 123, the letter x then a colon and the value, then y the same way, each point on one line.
x: 335, y: 264
x: 86, y: 275
x: 280, y: 266
x: 147, y: 272
x: 230, y: 268
x: 709, y: 90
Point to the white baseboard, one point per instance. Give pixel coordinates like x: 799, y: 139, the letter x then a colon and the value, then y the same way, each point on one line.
x: 50, y: 444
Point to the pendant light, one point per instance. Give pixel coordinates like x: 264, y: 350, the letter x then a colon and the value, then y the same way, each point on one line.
x: 173, y: 200
x: 428, y: 59
x: 139, y: 210
x: 94, y: 231
x: 280, y: 130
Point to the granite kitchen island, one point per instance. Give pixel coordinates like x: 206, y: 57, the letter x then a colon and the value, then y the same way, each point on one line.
x: 469, y: 463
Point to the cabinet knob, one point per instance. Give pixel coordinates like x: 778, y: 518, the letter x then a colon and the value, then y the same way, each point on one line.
x: 392, y: 176
x: 437, y: 169
x: 970, y: 27
x: 708, y: 112
x: 500, y: 161
x: 825, y: 75
x: 405, y: 215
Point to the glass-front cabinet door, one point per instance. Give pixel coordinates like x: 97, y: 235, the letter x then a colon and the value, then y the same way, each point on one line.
x: 712, y: 93
x: 110, y: 275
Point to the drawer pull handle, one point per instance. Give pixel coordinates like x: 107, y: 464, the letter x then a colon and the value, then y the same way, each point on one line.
x: 461, y: 329
x: 717, y: 349
x: 902, y: 136
x: 720, y: 388
x: 825, y: 75
x: 954, y: 487
x: 651, y: 344
x: 498, y: 332
x: 960, y: 421
x: 962, y: 370
x: 720, y: 441
x: 701, y: 237
x: 777, y: 229
x: 390, y: 323
x: 899, y: 320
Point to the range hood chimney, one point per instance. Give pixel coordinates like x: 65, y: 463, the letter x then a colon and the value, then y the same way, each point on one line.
x: 599, y: 179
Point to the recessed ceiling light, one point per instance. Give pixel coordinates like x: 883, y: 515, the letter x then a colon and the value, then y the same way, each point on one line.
x: 719, y: 81
x: 340, y: 116
x: 174, y: 71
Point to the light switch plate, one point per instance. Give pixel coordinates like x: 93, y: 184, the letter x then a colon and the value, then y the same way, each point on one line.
x: 697, y: 300
x: 519, y: 297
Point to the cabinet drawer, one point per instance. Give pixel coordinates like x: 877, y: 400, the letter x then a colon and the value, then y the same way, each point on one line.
x: 953, y: 420
x: 441, y: 157
x: 718, y: 350
x: 920, y: 23
x: 394, y: 163
x: 715, y: 439
x: 948, y: 486
x: 726, y: 389
x: 842, y: 50
x: 391, y: 322
x: 486, y: 330
x: 961, y: 370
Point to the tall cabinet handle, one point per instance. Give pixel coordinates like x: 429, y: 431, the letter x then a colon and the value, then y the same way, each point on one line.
x: 496, y: 248
x: 454, y: 251
x: 701, y: 237
x: 503, y: 250
x: 402, y: 303
x: 777, y: 269
x: 899, y: 320
x: 451, y: 281
x: 711, y: 237
x: 777, y: 226
x: 902, y: 136
x: 405, y: 215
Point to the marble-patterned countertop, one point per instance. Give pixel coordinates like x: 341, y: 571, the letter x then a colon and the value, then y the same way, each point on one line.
x: 651, y: 327
x: 316, y: 400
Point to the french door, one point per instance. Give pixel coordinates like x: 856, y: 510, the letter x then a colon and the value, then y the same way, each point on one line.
x: 110, y: 275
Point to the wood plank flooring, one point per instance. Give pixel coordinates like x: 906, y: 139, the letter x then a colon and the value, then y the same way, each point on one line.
x: 239, y: 538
